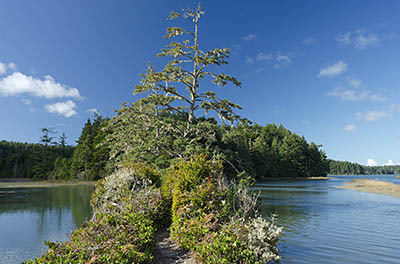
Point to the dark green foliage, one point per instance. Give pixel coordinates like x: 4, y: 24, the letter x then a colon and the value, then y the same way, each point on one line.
x: 348, y: 168
x: 271, y: 152
x: 90, y: 156
x: 24, y: 160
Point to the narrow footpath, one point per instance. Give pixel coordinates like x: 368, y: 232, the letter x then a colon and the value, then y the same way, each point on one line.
x: 166, y: 252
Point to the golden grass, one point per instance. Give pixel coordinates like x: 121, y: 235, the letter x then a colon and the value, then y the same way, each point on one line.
x: 371, y: 186
x: 24, y: 183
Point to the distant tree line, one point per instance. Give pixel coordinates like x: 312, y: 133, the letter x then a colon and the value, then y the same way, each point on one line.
x: 52, y: 158
x: 349, y: 168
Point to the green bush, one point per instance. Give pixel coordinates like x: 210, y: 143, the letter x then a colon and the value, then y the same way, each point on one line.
x: 217, y: 220
x: 127, y: 211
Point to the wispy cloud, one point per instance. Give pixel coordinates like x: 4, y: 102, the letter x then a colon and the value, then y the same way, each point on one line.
x: 4, y: 67
x: 360, y: 39
x: 371, y: 116
x: 26, y: 101
x: 19, y: 83
x: 333, y: 69
x: 278, y: 59
x: 355, y: 82
x: 264, y: 56
x: 66, y: 108
x: 282, y: 61
x: 310, y: 40
x: 350, y: 127
x: 354, y: 95
x: 250, y: 37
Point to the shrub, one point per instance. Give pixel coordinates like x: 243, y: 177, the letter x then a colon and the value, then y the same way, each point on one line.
x: 127, y: 211
x: 217, y: 220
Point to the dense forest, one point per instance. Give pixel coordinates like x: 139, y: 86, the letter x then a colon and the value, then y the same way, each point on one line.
x: 348, y: 168
x: 51, y: 158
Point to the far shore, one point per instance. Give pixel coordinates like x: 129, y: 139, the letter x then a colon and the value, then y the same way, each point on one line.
x: 298, y: 178
x: 372, y: 186
x: 29, y: 183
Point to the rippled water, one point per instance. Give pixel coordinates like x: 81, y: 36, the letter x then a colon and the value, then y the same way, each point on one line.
x: 324, y: 224
x: 30, y: 216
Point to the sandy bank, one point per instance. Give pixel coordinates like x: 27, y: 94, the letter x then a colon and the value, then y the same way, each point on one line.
x: 298, y: 178
x: 40, y: 184
x: 371, y: 186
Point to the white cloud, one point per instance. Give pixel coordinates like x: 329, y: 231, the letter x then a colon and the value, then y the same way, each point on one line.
x: 26, y: 101
x: 93, y: 111
x: 372, y: 162
x: 282, y: 61
x: 360, y: 39
x: 309, y: 40
x: 264, y: 56
x: 249, y: 37
x: 333, y: 70
x: 62, y: 108
x: 259, y: 70
x: 3, y: 68
x: 32, y: 110
x: 372, y: 115
x: 7, y: 66
x: 18, y: 83
x: 12, y: 66
x: 355, y: 82
x: 344, y: 38
x: 249, y: 60
x: 391, y: 163
x: 350, y: 127
x: 354, y: 95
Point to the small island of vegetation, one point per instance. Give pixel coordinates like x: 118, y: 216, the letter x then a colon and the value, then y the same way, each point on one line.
x: 171, y: 168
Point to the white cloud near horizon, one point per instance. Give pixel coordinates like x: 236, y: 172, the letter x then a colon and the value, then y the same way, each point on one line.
x: 391, y: 163
x: 66, y: 108
x: 333, y: 69
x: 350, y: 127
x: 371, y: 116
x: 360, y: 39
x: 249, y: 37
x: 19, y: 83
x: 371, y: 163
x: 310, y: 40
x: 354, y: 95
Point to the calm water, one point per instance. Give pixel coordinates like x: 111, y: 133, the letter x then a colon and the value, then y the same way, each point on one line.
x: 324, y: 224
x: 30, y: 216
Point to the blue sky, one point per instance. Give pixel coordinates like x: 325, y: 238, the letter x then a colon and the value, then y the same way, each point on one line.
x: 327, y: 70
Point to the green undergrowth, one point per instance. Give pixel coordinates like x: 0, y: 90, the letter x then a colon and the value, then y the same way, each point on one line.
x: 218, y: 220
x: 215, y: 219
x: 128, y: 208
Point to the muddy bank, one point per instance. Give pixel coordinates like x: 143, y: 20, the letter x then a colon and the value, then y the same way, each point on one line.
x: 371, y: 186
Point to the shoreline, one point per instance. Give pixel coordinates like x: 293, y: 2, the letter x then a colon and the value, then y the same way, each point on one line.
x: 297, y: 178
x: 373, y: 186
x: 28, y: 183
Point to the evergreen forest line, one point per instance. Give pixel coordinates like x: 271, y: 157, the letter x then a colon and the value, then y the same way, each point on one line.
x: 349, y: 168
x: 260, y: 151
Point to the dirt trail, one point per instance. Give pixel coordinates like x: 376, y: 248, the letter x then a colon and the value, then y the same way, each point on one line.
x: 166, y: 252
